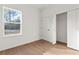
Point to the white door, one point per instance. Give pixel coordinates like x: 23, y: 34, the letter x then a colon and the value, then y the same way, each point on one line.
x: 72, y: 25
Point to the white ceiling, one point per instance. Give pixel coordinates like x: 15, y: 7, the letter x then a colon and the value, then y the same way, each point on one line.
x: 39, y: 5
x: 56, y: 6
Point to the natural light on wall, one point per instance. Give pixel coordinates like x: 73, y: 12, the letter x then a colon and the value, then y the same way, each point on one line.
x: 12, y: 20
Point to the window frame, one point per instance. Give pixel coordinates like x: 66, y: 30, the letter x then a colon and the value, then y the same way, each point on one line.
x: 4, y: 35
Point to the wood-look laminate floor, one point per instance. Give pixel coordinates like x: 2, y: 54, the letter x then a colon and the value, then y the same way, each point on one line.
x: 40, y: 47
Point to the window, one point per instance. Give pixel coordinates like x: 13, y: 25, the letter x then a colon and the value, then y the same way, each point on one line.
x: 12, y: 21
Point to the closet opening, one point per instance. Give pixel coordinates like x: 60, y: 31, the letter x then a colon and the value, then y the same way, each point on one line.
x: 61, y: 29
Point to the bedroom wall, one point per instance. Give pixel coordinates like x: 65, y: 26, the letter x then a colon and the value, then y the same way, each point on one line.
x: 48, y: 25
x: 30, y: 26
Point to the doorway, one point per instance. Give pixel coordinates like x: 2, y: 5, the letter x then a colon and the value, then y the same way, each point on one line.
x: 61, y: 28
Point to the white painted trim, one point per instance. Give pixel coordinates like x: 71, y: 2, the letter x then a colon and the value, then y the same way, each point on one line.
x: 62, y: 11
x: 54, y: 43
x: 3, y: 23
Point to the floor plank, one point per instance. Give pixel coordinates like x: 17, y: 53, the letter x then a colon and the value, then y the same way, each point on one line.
x: 40, y: 47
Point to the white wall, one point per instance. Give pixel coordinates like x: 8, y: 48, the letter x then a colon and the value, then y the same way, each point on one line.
x: 30, y: 27
x: 48, y: 26
x: 61, y: 27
